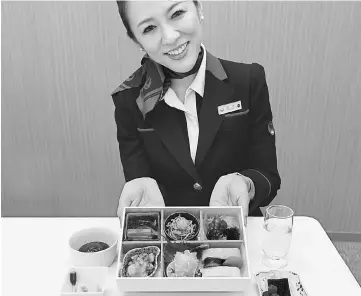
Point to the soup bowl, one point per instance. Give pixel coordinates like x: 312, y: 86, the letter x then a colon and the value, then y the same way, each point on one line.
x: 93, y: 256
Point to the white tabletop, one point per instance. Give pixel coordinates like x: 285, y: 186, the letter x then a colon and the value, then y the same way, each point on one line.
x: 35, y: 256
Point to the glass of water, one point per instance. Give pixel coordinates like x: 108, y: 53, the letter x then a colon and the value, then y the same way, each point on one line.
x: 278, y: 223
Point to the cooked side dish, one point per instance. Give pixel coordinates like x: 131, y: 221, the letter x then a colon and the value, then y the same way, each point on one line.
x: 93, y: 247
x: 180, y: 228
x: 141, y: 265
x: 142, y: 226
x: 222, y: 228
x: 140, y: 262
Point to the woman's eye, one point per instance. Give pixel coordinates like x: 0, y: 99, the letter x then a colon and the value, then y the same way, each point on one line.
x: 148, y: 29
x: 178, y: 13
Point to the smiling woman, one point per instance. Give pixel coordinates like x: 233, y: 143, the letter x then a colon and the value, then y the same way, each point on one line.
x: 193, y: 129
x: 168, y: 31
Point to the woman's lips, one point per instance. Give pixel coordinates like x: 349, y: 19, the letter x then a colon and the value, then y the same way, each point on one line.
x: 180, y: 55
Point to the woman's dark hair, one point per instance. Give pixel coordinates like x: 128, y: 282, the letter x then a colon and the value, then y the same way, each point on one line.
x: 122, y: 7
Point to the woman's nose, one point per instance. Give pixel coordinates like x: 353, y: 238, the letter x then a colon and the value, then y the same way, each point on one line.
x: 169, y: 35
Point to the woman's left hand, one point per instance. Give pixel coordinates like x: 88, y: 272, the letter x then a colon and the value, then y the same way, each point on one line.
x: 140, y: 192
x: 231, y: 190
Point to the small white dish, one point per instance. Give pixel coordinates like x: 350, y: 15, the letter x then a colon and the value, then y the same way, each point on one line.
x: 294, y: 282
x: 96, y: 234
x: 93, y: 278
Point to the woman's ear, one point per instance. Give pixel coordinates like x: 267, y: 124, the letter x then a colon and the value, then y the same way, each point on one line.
x: 139, y: 45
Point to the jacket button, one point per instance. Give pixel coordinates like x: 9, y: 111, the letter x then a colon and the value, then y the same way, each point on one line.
x: 197, y: 186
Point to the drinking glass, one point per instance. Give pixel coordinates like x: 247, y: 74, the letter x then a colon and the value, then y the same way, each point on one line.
x: 278, y: 223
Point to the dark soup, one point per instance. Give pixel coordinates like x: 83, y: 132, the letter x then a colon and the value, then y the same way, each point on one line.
x: 93, y: 247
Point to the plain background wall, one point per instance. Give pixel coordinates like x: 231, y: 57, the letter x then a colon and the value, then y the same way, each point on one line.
x: 61, y: 61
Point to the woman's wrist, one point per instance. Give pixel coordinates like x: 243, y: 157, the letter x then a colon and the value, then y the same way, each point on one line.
x: 250, y: 185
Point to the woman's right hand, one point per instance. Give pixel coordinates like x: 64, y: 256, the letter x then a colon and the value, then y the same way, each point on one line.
x: 140, y: 192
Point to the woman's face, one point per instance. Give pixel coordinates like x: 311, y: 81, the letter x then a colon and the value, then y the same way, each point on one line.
x: 169, y: 31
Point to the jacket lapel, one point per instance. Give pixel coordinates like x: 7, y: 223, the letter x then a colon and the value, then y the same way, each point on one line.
x: 216, y: 93
x: 164, y: 120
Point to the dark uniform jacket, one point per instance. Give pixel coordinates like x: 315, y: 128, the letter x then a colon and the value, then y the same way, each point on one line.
x: 241, y: 141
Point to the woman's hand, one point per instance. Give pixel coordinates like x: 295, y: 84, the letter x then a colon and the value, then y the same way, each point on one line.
x: 140, y: 192
x: 231, y: 190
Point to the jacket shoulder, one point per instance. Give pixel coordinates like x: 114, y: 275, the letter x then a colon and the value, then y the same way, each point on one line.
x: 237, y: 71
x: 245, y: 78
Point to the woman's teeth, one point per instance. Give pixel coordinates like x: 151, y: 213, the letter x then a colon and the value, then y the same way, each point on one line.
x: 178, y: 51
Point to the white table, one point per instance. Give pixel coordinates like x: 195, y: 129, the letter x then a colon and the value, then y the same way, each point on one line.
x: 35, y: 256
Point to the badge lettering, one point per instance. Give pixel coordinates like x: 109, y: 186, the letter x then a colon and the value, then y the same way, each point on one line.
x: 231, y: 107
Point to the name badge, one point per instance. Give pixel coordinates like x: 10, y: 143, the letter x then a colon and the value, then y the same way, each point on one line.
x: 234, y: 106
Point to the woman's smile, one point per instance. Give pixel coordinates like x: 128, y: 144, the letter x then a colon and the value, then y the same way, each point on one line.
x: 179, y: 53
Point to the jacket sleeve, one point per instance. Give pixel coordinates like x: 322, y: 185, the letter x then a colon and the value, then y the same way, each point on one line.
x: 262, y: 159
x: 132, y: 154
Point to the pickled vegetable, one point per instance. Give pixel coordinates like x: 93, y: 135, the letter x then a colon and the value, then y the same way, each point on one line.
x: 280, y: 285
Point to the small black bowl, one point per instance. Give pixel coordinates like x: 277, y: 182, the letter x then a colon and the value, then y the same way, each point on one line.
x: 187, y: 216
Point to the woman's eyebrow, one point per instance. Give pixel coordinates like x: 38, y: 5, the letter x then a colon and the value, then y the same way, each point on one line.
x: 168, y: 10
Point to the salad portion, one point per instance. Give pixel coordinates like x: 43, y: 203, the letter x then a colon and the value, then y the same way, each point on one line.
x: 181, y: 226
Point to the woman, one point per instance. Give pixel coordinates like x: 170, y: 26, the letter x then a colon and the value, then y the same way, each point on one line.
x: 193, y: 130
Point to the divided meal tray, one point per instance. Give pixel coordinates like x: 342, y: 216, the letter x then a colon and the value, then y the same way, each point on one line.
x: 159, y: 280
